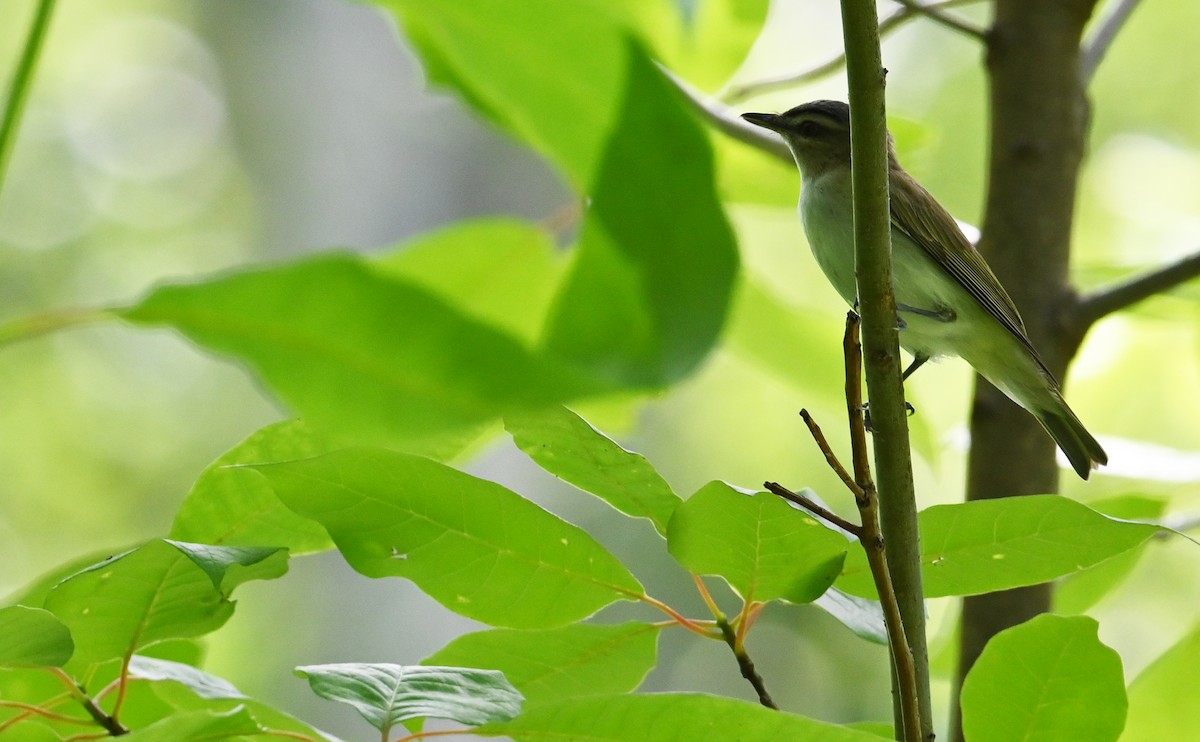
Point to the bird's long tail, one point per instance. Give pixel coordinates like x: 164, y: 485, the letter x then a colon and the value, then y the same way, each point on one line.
x: 1081, y: 449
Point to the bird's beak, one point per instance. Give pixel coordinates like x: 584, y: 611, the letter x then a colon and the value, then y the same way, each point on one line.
x: 765, y: 120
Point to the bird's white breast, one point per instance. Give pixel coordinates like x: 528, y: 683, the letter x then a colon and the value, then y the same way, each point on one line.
x: 827, y: 212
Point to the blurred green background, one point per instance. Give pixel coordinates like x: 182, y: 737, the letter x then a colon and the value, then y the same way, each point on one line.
x: 168, y: 139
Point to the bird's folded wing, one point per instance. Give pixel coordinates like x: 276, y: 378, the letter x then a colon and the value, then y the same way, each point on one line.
x: 932, y: 227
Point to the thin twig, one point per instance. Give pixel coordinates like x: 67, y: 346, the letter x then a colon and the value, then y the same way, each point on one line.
x: 18, y: 90
x: 676, y: 616
x: 722, y: 117
x: 107, y: 722
x: 1098, y: 43
x: 1103, y: 302
x: 935, y: 13
x: 872, y: 537
x: 745, y: 664
x: 834, y: 463
x: 780, y: 491
x: 738, y: 93
x: 852, y: 352
x: 27, y: 328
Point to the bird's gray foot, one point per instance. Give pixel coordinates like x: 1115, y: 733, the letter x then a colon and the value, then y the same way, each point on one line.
x: 941, y: 314
x: 867, y: 414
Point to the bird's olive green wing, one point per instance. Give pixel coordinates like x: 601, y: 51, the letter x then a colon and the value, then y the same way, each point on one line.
x: 931, y: 226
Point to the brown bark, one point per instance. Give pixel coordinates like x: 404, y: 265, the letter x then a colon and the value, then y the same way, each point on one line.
x: 1039, y: 118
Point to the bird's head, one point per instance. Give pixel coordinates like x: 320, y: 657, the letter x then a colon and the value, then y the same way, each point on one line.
x: 818, y: 134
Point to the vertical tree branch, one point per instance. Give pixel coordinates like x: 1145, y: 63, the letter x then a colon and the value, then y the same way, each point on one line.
x: 1039, y: 118
x: 872, y: 240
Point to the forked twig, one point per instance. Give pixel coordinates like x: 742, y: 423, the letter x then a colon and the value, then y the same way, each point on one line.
x: 862, y: 485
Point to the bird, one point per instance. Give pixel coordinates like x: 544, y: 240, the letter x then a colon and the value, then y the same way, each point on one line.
x: 949, y: 301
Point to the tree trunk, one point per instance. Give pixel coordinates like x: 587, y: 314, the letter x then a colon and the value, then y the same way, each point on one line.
x: 1039, y: 118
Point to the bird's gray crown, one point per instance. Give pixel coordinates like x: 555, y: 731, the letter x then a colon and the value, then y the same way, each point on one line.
x: 834, y: 111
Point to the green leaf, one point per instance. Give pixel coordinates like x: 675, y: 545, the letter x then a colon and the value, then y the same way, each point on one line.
x: 32, y: 637
x: 568, y: 447
x: 232, y: 505
x: 666, y: 717
x: 572, y: 80
x: 469, y: 543
x: 198, y: 726
x: 717, y: 39
x: 186, y: 688
x: 386, y: 694
x: 656, y: 251
x: 502, y: 272
x: 980, y: 547
x: 34, y: 593
x: 230, y: 566
x: 766, y: 549
x: 135, y: 599
x: 1162, y: 698
x: 1049, y: 678
x: 559, y: 663
x: 524, y: 64
x: 1077, y: 592
x: 203, y: 684
x: 364, y: 356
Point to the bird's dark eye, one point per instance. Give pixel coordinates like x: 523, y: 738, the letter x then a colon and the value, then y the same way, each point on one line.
x: 808, y: 128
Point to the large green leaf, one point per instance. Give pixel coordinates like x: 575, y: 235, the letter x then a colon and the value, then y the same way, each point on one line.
x: 366, y: 356
x: 478, y: 548
x: 546, y: 665
x: 1162, y: 698
x: 1048, y: 679
x: 501, y: 271
x: 32, y: 637
x: 567, y: 446
x: 667, y: 717
x: 656, y: 253
x: 1078, y: 592
x: 765, y: 549
x: 573, y: 81
x: 233, y: 506
x: 387, y: 695
x: 980, y: 547
x: 150, y: 594
x: 551, y: 73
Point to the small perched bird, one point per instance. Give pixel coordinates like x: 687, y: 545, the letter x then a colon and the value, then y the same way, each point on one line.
x: 949, y: 301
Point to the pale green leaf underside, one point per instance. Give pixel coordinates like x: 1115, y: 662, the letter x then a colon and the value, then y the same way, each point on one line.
x: 387, y: 694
